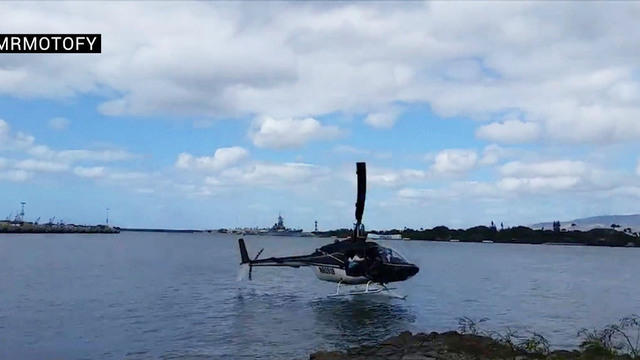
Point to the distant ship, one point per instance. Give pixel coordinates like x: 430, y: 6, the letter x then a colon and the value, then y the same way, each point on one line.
x: 278, y: 229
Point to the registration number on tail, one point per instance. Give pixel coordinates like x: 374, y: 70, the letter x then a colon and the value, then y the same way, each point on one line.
x: 326, y: 270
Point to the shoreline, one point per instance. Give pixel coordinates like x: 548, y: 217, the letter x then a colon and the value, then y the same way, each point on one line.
x: 30, y: 228
x: 480, y: 235
x: 515, y: 235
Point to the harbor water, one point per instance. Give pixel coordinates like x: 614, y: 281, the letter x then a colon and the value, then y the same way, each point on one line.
x: 177, y: 295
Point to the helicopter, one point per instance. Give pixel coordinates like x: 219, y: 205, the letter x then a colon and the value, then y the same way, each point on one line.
x: 350, y: 261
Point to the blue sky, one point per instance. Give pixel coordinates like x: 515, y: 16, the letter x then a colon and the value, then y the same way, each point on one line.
x: 207, y: 115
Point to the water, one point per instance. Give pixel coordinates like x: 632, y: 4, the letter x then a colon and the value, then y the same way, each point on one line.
x: 175, y: 296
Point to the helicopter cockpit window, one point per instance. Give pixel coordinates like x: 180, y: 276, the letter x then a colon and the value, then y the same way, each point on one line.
x: 391, y: 256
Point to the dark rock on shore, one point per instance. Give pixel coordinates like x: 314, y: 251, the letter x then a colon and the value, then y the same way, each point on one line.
x: 445, y: 346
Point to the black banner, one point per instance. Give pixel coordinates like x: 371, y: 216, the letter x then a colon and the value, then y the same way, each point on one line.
x: 50, y: 43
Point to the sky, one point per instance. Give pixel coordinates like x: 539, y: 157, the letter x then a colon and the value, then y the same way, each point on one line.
x: 223, y: 114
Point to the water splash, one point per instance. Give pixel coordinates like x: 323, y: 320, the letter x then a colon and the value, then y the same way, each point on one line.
x: 243, y: 272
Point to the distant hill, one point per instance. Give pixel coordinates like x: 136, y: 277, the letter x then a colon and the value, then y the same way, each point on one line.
x: 603, y: 221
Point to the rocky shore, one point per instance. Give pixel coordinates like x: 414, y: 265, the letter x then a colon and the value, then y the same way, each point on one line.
x: 453, y: 346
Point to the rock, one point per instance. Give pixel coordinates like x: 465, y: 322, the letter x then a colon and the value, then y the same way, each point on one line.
x: 416, y: 357
x: 328, y: 355
x: 403, y: 338
x: 446, y: 346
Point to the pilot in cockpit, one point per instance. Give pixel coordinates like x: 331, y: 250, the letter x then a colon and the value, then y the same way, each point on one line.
x: 354, y: 265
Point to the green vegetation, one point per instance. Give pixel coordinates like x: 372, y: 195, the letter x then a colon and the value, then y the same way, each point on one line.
x: 622, y: 338
x: 532, y: 343
x: 521, y: 235
x: 615, y: 341
x: 514, y: 235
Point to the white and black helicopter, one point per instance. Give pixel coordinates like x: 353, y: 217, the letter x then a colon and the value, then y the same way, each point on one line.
x: 351, y: 261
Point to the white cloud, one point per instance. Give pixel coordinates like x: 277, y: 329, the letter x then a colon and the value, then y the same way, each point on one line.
x: 222, y: 158
x: 28, y: 158
x: 534, y: 184
x: 394, y: 177
x: 25, y: 143
x: 554, y: 175
x: 90, y: 172
x: 356, y: 57
x: 454, y: 191
x: 13, y: 142
x: 268, y: 132
x: 518, y: 178
x: 93, y: 155
x: 545, y: 168
x: 510, y: 132
x: 145, y: 190
x: 41, y: 166
x: 420, y: 194
x: 357, y: 152
x: 116, y: 176
x: 477, y: 189
x: 455, y: 161
x: 273, y: 174
x: 128, y: 176
x: 59, y: 123
x: 347, y: 149
x: 212, y: 180
x: 203, y: 123
x: 4, y: 130
x: 15, y: 175
x: 492, y: 154
x: 382, y: 120
x: 623, y: 191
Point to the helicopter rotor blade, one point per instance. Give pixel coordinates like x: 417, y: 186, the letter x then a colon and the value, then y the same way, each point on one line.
x: 361, y: 171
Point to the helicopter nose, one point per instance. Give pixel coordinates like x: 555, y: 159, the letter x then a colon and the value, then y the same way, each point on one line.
x: 406, y: 272
x: 412, y: 270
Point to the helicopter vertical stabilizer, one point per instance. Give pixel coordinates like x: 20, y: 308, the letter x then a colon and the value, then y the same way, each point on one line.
x: 244, y: 255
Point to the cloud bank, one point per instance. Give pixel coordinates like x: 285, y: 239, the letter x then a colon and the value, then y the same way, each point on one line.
x: 301, y: 61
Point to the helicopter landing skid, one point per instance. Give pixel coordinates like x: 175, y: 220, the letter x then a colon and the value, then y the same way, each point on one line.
x: 369, y: 289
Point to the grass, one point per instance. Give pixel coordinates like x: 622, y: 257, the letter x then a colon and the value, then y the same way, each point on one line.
x: 620, y: 340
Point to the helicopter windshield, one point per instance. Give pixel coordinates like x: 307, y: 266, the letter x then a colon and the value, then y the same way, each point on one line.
x: 391, y: 256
